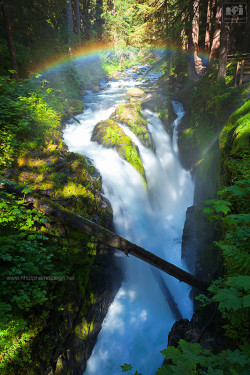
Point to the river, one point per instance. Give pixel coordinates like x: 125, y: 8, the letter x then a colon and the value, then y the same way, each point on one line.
x: 138, y: 321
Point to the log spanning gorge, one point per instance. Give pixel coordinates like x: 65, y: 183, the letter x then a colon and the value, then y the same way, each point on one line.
x: 148, y: 301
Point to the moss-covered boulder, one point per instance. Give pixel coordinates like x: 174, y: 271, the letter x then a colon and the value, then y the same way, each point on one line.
x: 111, y: 135
x: 135, y: 92
x: 131, y: 115
x: 96, y: 89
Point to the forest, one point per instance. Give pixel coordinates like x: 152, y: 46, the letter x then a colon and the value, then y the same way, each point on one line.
x: 57, y: 274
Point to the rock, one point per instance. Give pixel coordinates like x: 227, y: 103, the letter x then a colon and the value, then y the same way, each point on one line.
x: 131, y: 115
x: 198, y: 248
x: 189, y: 331
x: 74, y: 106
x: 111, y: 135
x: 135, y: 92
x: 136, y: 70
x: 96, y: 89
x: 189, y: 240
x: 84, y: 93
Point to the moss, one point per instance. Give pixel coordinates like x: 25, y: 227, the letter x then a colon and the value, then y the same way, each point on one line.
x: 110, y: 134
x: 234, y: 145
x: 131, y: 115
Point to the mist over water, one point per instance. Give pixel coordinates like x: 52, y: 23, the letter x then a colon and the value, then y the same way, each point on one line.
x: 138, y: 321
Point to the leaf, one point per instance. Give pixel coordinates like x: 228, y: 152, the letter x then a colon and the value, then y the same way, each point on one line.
x: 228, y: 299
x: 237, y: 357
x: 246, y: 301
x: 211, y: 371
x: 239, y: 282
x: 126, y: 367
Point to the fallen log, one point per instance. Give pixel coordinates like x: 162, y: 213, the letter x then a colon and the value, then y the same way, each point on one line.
x: 71, y: 115
x: 109, y: 238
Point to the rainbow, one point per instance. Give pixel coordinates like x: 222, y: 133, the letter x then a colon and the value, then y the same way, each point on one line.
x: 79, y: 54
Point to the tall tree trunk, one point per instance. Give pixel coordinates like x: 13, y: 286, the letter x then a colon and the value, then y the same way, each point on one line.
x: 215, y: 48
x: 98, y: 13
x: 78, y: 21
x: 195, y: 26
x: 210, y: 6
x: 166, y: 14
x: 198, y: 66
x: 70, y: 23
x: 11, y: 46
x: 224, y: 41
x: 184, y: 37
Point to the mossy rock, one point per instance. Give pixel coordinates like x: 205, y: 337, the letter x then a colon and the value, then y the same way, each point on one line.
x: 74, y: 106
x: 131, y: 115
x: 111, y: 135
x: 66, y: 177
x: 96, y: 89
x: 135, y: 92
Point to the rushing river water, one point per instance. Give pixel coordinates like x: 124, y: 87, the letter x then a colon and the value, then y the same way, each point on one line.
x: 138, y: 321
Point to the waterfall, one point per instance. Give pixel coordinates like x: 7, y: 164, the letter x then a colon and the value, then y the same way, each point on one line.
x: 138, y: 321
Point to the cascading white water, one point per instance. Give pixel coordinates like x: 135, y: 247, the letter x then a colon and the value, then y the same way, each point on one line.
x: 138, y: 321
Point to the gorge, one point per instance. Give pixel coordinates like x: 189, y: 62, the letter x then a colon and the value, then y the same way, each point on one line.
x: 124, y: 125
x: 139, y: 319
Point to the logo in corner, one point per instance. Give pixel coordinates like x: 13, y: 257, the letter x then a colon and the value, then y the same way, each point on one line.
x: 234, y: 12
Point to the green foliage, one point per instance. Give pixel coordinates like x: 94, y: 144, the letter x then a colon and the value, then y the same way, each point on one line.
x: 119, y: 23
x: 36, y: 267
x: 127, y: 368
x: 191, y: 359
x: 38, y: 29
x: 26, y: 118
x: 26, y: 256
x: 216, y: 207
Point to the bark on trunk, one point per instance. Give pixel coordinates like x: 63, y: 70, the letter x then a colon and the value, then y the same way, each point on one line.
x: 222, y: 70
x: 195, y: 25
x: 99, y: 22
x: 214, y: 54
x: 70, y: 23
x: 112, y: 239
x: 210, y: 6
x: 78, y: 21
x: 198, y: 66
x: 11, y: 46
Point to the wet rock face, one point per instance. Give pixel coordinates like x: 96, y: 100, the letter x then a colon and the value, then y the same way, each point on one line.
x: 198, y: 249
x: 191, y: 332
x: 82, y: 334
x: 131, y: 115
x: 111, y: 135
x: 189, y: 239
